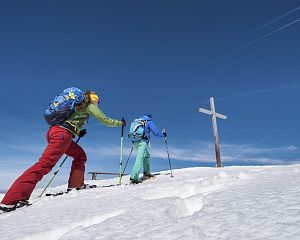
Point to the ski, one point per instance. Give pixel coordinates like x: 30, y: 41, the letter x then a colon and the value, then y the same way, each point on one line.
x: 68, y: 191
x: 142, y: 179
x: 90, y: 187
x: 56, y: 194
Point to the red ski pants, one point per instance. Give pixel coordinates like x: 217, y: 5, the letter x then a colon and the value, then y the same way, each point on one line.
x: 59, y: 143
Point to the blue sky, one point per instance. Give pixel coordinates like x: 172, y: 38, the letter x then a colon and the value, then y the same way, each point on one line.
x: 161, y: 57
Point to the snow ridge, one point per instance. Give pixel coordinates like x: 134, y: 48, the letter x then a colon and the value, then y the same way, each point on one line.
x: 198, y: 203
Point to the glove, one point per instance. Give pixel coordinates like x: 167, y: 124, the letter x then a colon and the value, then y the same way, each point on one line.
x: 123, y: 122
x: 82, y: 133
x: 164, y: 132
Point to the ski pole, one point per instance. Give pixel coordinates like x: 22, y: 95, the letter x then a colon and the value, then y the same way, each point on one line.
x: 57, y: 171
x: 121, y: 151
x: 127, y: 162
x: 165, y: 138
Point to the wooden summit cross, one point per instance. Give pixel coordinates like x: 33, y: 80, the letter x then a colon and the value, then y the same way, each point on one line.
x: 215, y: 129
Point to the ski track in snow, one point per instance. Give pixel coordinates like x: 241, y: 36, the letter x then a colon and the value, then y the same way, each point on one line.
x: 198, y: 203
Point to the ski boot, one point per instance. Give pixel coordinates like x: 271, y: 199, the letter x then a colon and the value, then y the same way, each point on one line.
x: 84, y: 186
x: 148, y: 176
x: 135, y: 181
x: 9, y: 208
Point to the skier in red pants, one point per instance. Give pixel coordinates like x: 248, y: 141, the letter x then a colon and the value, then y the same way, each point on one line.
x: 60, y: 142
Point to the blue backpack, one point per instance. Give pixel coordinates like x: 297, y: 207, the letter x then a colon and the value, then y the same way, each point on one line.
x: 137, y: 130
x: 63, y: 106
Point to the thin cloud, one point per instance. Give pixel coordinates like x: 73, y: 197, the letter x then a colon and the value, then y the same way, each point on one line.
x: 203, y: 152
x: 199, y: 152
x: 292, y: 148
x: 250, y: 93
x: 248, y: 149
x: 267, y: 35
x: 276, y: 19
x: 24, y: 147
x: 112, y: 150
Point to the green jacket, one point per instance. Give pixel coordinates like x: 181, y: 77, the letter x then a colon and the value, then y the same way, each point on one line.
x: 77, y: 119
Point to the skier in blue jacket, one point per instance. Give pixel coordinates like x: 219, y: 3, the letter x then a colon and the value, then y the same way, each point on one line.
x: 141, y: 145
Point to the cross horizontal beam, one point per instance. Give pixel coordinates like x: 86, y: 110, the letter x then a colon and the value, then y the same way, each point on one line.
x: 202, y: 110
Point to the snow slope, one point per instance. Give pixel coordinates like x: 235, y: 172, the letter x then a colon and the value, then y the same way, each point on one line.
x: 198, y: 203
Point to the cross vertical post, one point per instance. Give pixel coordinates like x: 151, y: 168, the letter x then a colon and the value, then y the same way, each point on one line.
x: 215, y: 128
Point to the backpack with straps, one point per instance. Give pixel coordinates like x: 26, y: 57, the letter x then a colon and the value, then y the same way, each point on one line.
x: 137, y: 130
x: 63, y: 105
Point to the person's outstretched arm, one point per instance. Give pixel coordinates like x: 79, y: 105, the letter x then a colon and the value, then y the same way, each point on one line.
x: 101, y: 117
x: 154, y: 129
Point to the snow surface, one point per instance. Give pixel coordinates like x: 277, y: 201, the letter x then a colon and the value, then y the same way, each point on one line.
x: 198, y: 203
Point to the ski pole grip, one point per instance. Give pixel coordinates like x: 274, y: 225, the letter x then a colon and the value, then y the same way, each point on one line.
x: 122, y: 134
